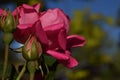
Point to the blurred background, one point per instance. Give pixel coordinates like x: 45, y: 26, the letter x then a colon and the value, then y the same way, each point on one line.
x: 99, y: 22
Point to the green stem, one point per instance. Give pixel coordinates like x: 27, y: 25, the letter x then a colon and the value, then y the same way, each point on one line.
x: 32, y: 76
x: 31, y: 66
x: 5, y: 61
x: 22, y: 72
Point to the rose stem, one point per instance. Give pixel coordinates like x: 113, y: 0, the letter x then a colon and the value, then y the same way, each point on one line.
x: 32, y: 76
x: 22, y: 72
x: 5, y: 61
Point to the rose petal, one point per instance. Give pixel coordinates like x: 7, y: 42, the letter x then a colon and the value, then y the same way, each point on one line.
x: 62, y: 39
x: 75, y: 40
x: 52, y: 34
x: 54, y: 27
x: 24, y: 26
x: 22, y: 32
x: 27, y: 18
x: 37, y: 7
x: 72, y: 62
x: 57, y: 55
x: 27, y: 6
x: 29, y: 42
x: 16, y: 11
x: 55, y: 16
x: 41, y: 35
x: 64, y: 58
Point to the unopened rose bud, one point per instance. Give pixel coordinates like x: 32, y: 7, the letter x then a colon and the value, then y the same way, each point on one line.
x: 8, y: 23
x: 32, y: 49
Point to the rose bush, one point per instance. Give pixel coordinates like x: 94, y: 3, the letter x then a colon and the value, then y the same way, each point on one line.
x: 51, y: 29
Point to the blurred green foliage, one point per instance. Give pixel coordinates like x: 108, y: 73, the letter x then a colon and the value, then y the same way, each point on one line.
x: 89, y: 25
x: 96, y: 64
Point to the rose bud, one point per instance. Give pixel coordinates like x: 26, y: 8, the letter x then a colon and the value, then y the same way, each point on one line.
x: 32, y: 49
x: 8, y: 23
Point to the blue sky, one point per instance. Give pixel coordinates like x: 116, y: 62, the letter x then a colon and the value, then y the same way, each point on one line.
x: 108, y: 7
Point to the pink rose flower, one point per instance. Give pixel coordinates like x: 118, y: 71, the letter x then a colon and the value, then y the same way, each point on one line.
x: 27, y: 15
x: 51, y: 29
x: 56, y: 25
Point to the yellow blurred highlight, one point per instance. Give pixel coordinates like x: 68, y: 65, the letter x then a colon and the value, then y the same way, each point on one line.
x: 75, y: 75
